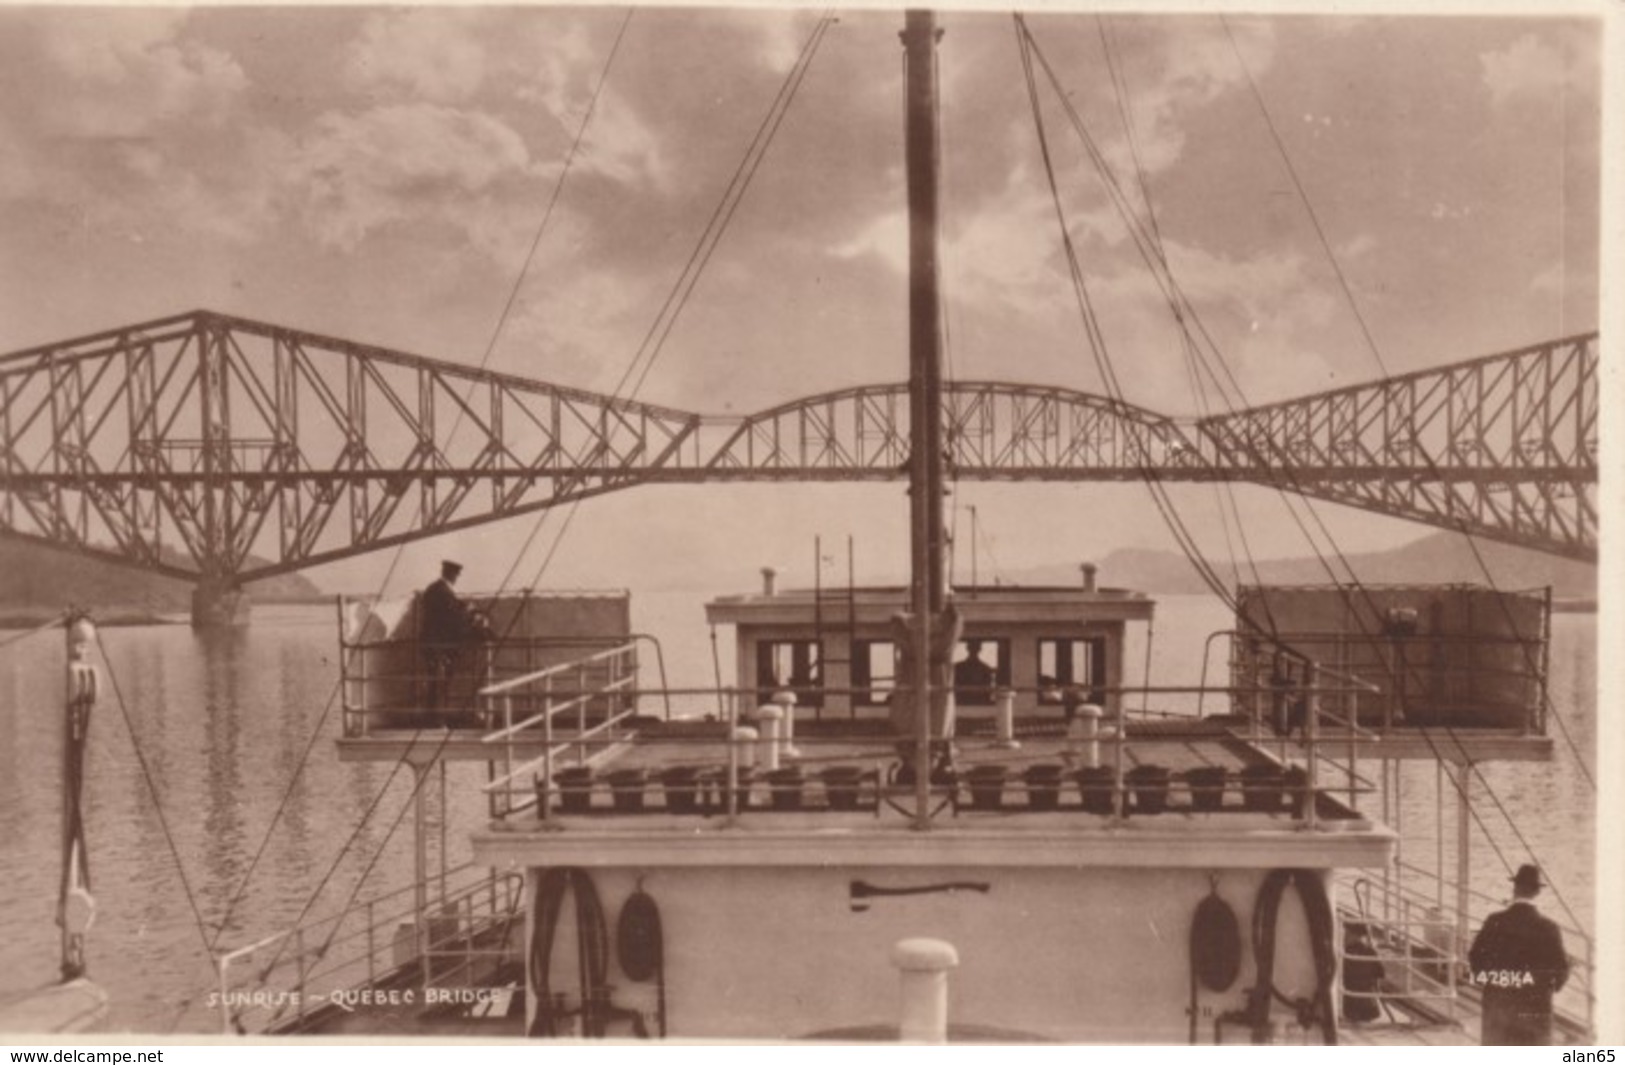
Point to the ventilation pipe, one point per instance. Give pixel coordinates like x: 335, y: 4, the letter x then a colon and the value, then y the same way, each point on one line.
x: 923, y: 966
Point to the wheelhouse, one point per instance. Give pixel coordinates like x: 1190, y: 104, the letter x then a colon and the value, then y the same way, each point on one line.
x: 1049, y: 649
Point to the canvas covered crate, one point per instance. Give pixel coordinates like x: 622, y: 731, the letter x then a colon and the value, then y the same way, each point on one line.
x: 1463, y: 656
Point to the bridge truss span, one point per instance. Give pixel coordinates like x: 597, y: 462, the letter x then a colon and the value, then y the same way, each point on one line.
x: 184, y: 444
x: 994, y: 430
x: 215, y: 448
x: 1504, y: 446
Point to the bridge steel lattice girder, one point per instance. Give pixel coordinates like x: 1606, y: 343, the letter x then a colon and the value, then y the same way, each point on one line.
x: 216, y: 429
x: 1518, y: 428
x: 227, y: 436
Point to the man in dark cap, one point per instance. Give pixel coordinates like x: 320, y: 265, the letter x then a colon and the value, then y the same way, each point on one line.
x: 1518, y: 961
x: 446, y: 627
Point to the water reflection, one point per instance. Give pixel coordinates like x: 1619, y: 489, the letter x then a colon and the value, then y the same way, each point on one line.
x: 221, y: 653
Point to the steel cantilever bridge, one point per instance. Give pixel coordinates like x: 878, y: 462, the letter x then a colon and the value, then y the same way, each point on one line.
x: 221, y: 450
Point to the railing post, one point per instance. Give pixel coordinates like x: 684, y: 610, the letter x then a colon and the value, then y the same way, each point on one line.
x: 1312, y: 736
x: 1463, y: 849
x: 224, y: 966
x: 1257, y: 730
x: 1591, y: 989
x: 1452, y: 977
x: 544, y: 799
x: 736, y: 737
x: 420, y: 870
x: 299, y: 964
x: 444, y: 818
x: 1119, y: 796
x: 507, y: 752
x: 1354, y: 732
x: 581, y: 713
x: 1439, y: 773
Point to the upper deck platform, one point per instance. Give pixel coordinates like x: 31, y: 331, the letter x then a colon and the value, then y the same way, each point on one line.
x: 1186, y: 793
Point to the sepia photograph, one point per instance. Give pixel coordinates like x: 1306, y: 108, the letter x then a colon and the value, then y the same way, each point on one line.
x: 761, y: 524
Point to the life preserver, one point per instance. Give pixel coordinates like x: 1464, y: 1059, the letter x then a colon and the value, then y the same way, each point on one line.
x: 640, y: 947
x: 1215, y: 943
x: 592, y: 937
x: 1317, y: 1008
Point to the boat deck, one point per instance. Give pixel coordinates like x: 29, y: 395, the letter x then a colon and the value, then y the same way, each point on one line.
x: 664, y: 798
x: 679, y: 768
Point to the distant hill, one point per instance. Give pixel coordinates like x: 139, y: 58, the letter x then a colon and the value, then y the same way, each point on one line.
x: 1442, y: 558
x: 36, y: 578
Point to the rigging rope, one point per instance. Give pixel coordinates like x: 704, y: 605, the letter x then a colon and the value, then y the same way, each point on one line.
x: 1029, y: 50
x: 654, y: 339
x: 1303, y: 196
x: 1376, y: 354
x: 338, y: 923
x: 157, y: 799
x: 1223, y: 491
x: 395, y: 559
x: 54, y: 623
x: 1151, y: 251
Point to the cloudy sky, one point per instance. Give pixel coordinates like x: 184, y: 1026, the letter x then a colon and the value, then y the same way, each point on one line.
x: 380, y: 175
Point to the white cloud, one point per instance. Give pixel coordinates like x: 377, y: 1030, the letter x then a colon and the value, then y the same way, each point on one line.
x: 126, y: 74
x: 1005, y: 254
x: 431, y: 54
x: 1553, y: 279
x: 578, y: 328
x: 1361, y: 245
x: 1529, y: 66
x: 779, y: 40
x: 131, y: 132
x: 885, y: 238
x: 559, y: 54
x: 620, y: 146
x: 1194, y: 68
x: 406, y: 164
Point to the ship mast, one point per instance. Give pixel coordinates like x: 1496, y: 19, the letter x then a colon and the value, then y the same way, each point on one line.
x: 932, y: 628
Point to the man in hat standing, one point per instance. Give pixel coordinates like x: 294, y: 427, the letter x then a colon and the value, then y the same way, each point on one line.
x: 446, y: 628
x: 1518, y: 961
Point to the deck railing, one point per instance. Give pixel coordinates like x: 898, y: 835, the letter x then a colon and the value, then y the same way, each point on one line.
x: 278, y: 982
x: 1399, y: 682
x: 1414, y: 942
x: 567, y: 707
x: 1424, y: 960
x: 1576, y: 1002
x: 724, y: 772
x: 391, y: 679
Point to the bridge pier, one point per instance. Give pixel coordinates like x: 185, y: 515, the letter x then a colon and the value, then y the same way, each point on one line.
x: 218, y: 602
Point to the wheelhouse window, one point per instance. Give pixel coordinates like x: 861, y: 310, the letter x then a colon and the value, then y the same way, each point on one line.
x: 874, y: 672
x: 1072, y: 662
x: 790, y: 665
x: 981, y: 666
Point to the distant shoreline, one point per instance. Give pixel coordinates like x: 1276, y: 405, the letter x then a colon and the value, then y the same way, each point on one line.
x: 12, y: 619
x: 1574, y: 605
x: 31, y: 617
x: 114, y: 618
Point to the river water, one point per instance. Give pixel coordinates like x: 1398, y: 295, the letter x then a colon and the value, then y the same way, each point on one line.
x: 221, y: 722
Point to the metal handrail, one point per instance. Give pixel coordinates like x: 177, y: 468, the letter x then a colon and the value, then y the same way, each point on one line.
x: 1581, y: 960
x: 1114, y: 745
x: 319, y: 950
x: 550, y: 671
x: 556, y: 708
